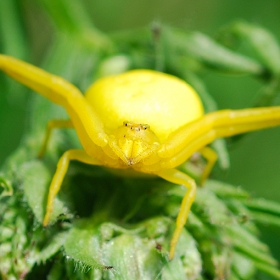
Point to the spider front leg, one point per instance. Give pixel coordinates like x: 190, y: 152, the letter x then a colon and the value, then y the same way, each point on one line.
x: 180, y: 178
x: 53, y: 124
x: 89, y: 127
x: 62, y: 167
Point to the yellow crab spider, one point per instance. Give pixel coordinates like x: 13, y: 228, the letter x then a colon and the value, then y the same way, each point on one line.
x: 142, y: 121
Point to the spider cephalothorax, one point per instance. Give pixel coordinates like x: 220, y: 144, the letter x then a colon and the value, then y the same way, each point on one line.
x: 133, y: 142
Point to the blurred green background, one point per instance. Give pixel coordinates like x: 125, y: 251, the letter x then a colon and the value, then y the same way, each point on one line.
x: 254, y: 160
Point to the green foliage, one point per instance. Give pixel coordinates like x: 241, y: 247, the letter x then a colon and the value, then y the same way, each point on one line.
x: 109, y: 227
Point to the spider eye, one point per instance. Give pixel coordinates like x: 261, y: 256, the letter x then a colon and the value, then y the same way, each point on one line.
x: 144, y: 126
x: 136, y: 126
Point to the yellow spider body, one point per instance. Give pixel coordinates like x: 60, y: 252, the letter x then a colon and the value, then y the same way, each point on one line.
x: 140, y: 109
x: 141, y: 120
x: 163, y: 101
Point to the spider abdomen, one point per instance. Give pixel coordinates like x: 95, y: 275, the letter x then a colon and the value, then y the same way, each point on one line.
x: 164, y: 102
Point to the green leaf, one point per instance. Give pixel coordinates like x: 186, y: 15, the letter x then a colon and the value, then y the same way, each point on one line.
x: 243, y: 266
x: 71, y: 17
x: 268, y: 94
x: 6, y: 186
x: 12, y: 33
x: 130, y: 254
x: 52, y: 248
x: 225, y: 190
x: 266, y: 219
x: 260, y: 40
x: 211, y: 53
x: 36, y: 189
x: 270, y: 270
x: 263, y: 205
